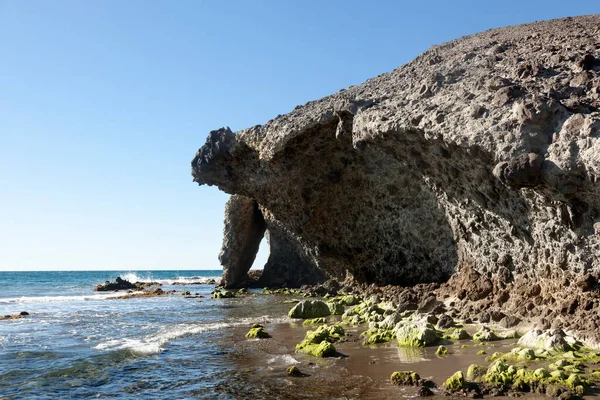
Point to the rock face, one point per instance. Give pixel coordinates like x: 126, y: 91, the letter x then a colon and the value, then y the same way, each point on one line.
x: 481, y: 155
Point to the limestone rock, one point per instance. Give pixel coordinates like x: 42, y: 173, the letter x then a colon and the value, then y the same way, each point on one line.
x: 481, y: 154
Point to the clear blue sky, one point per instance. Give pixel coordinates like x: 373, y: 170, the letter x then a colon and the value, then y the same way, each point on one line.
x: 104, y: 103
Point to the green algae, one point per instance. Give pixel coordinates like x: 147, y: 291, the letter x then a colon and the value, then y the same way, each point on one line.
x: 405, y: 378
x: 485, y: 334
x: 475, y: 373
x: 456, y: 334
x: 257, y: 333
x: 481, y: 353
x: 336, y: 308
x: 314, y: 321
x: 377, y: 335
x: 223, y: 294
x: 319, y: 342
x: 456, y: 382
x: 442, y: 351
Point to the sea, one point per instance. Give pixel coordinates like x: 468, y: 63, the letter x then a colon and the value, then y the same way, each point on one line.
x: 78, y: 344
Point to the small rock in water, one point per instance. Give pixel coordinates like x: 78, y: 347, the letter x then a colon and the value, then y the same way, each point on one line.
x: 294, y: 371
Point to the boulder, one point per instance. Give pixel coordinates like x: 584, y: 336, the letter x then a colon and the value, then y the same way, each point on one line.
x: 118, y: 284
x: 309, y: 309
x: 416, y: 334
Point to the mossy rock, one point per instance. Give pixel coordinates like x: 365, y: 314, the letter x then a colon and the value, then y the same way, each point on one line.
x: 336, y: 308
x: 314, y: 321
x: 456, y: 382
x: 406, y: 378
x: 323, y: 349
x: 499, y: 374
x: 442, y: 351
x: 308, y: 309
x: 257, y: 333
x: 456, y: 334
x: 476, y: 373
x: 377, y: 335
x: 222, y: 294
x: 481, y: 353
x: 485, y: 334
x: 319, y: 342
x: 416, y: 334
x: 349, y: 300
x: 257, y: 325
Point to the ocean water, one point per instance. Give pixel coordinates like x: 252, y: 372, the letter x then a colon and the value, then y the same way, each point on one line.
x: 80, y: 344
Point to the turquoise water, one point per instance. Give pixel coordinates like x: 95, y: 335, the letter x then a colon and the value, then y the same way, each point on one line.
x: 81, y: 344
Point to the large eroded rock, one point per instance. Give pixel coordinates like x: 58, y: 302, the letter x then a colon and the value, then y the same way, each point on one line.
x: 481, y: 154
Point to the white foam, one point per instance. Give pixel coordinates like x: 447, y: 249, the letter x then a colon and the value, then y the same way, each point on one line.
x: 133, y: 278
x: 155, y: 343
x: 179, y: 280
x: 50, y: 299
x: 283, y: 359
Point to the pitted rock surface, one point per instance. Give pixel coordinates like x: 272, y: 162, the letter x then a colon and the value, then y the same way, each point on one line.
x: 480, y: 155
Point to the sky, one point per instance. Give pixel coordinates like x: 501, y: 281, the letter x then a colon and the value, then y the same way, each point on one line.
x: 104, y: 103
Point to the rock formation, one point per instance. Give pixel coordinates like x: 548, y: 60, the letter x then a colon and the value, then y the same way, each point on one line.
x: 478, y: 159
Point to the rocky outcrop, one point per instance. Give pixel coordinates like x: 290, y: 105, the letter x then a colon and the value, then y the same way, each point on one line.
x: 244, y: 230
x: 480, y: 158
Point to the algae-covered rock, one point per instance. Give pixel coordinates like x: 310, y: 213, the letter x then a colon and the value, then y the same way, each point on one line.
x: 314, y: 321
x: 257, y: 325
x: 257, y: 333
x: 308, y: 309
x: 500, y: 374
x: 456, y: 334
x: 442, y: 351
x: 405, y: 378
x: 481, y: 353
x: 485, y: 334
x: 390, y: 321
x: 350, y: 300
x: 476, y: 373
x: 510, y: 335
x: 456, y: 382
x: 546, y: 340
x: 222, y: 294
x: 377, y: 335
x: 336, y: 308
x: 324, y: 349
x: 319, y: 342
x: 416, y: 334
x: 292, y: 370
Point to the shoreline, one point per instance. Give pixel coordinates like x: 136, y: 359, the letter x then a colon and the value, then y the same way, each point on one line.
x: 372, y: 365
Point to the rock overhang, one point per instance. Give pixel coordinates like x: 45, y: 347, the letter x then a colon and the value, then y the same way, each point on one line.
x: 480, y: 152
